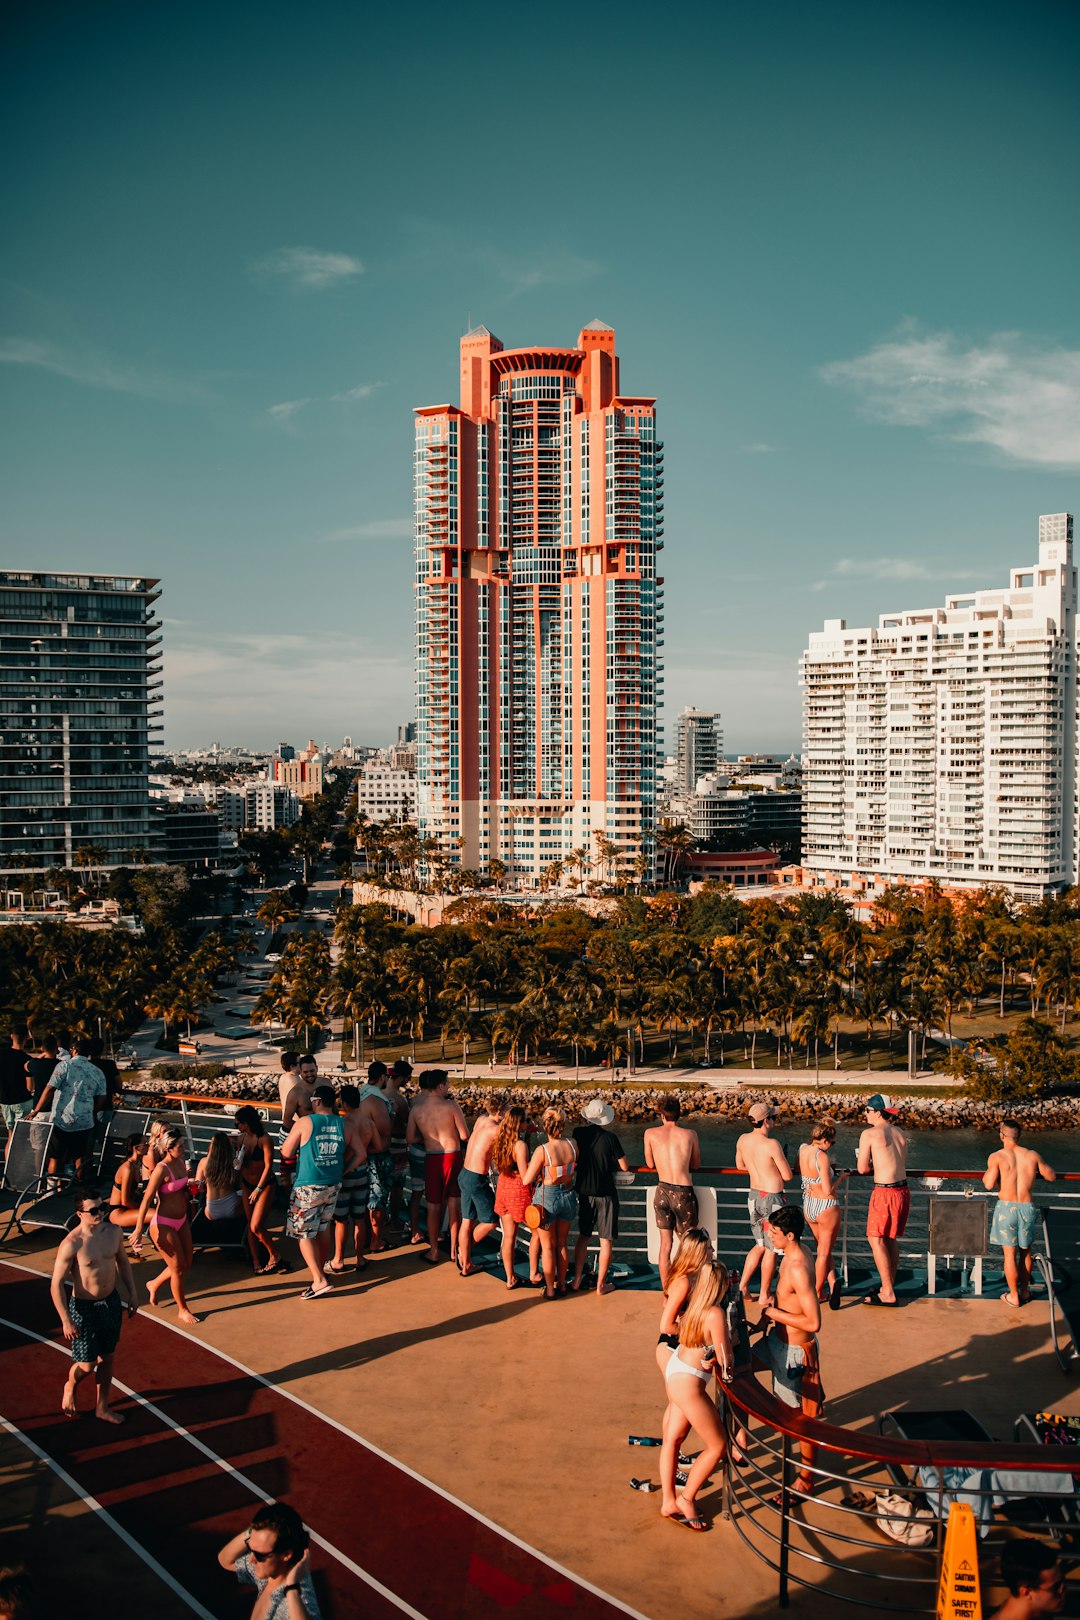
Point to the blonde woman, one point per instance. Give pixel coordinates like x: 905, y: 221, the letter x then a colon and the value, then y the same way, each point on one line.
x: 695, y: 1250
x: 821, y: 1205
x: 704, y: 1347
x: 554, y: 1163
x: 170, y: 1221
x: 510, y: 1157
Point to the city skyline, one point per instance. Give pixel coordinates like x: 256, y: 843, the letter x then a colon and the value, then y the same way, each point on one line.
x: 839, y: 249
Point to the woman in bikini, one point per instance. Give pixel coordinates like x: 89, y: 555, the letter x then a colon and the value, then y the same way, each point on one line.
x: 126, y: 1193
x: 554, y: 1162
x: 695, y: 1250
x: 218, y: 1174
x: 170, y: 1222
x: 510, y: 1156
x: 704, y: 1348
x: 821, y: 1205
x: 257, y: 1186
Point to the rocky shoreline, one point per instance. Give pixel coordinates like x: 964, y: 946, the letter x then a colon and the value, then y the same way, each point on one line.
x: 639, y: 1106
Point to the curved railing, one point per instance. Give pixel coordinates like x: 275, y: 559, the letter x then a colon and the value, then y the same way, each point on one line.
x: 832, y: 1540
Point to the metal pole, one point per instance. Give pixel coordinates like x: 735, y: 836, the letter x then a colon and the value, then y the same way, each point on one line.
x: 785, y: 1523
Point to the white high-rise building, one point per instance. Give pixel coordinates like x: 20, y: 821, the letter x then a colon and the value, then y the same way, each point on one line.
x: 942, y: 744
x: 699, y: 744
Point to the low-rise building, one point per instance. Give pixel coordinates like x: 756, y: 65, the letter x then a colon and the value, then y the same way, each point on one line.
x: 386, y: 793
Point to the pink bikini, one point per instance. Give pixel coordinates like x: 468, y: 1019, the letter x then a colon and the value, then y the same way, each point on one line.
x: 176, y: 1223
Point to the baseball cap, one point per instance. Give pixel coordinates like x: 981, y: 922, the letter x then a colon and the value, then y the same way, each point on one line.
x: 882, y: 1104
x: 759, y: 1112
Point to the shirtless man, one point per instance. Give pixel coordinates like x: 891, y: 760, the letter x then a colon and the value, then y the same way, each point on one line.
x: 377, y: 1113
x: 1012, y: 1170
x: 92, y: 1261
x: 474, y: 1179
x: 296, y: 1101
x: 673, y: 1152
x: 353, y: 1199
x: 440, y: 1125
x: 790, y: 1349
x: 1035, y: 1578
x: 883, y: 1150
x: 768, y: 1170
x: 287, y: 1077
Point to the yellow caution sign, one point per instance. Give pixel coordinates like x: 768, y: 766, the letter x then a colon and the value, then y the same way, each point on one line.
x: 958, y: 1595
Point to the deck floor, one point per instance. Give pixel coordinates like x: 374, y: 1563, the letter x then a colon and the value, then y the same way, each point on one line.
x: 521, y: 1409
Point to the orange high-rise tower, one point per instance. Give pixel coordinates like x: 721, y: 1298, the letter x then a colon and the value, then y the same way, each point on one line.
x: 539, y: 508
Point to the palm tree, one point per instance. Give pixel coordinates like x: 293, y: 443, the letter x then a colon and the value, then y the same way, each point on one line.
x: 675, y: 841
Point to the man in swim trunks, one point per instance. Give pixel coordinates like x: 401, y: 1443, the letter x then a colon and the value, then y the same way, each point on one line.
x: 763, y: 1160
x: 790, y: 1349
x: 92, y: 1261
x: 474, y: 1180
x: 354, y: 1194
x: 325, y: 1148
x: 1012, y: 1170
x: 673, y: 1152
x: 377, y: 1112
x: 600, y: 1157
x: 440, y: 1126
x: 883, y: 1150
x: 76, y: 1093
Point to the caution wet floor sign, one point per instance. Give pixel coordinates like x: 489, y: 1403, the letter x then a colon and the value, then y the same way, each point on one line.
x: 958, y: 1594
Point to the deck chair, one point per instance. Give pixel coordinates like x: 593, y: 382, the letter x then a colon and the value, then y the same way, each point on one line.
x: 56, y: 1210
x: 24, y: 1167
x: 950, y: 1424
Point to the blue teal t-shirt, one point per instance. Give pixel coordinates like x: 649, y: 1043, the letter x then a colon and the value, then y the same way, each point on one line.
x: 321, y: 1159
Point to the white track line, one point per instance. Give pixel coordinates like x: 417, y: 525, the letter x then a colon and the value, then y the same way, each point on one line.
x: 229, y: 1468
x: 376, y: 1451
x: 106, y: 1518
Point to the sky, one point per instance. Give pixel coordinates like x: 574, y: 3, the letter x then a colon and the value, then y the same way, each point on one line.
x: 837, y: 242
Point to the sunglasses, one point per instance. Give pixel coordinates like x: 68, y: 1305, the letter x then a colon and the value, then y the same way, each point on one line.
x: 92, y: 1209
x: 260, y: 1558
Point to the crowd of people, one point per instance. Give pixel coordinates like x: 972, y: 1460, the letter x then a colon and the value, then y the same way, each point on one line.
x: 354, y: 1165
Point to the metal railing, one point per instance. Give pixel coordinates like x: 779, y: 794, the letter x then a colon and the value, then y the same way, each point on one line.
x: 870, y: 1490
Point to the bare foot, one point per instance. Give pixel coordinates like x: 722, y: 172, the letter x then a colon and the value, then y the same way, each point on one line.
x: 107, y: 1415
x: 189, y: 1319
x: 605, y: 1288
x: 670, y: 1511
x: 1010, y: 1299
x: 153, y: 1289
x: 67, y: 1400
x: 416, y: 1238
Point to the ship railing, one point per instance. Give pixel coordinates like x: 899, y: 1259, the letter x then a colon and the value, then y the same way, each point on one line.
x: 871, y: 1531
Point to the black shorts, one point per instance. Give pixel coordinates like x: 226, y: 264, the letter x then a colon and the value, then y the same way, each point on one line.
x: 68, y: 1147
x: 599, y: 1215
x: 675, y: 1208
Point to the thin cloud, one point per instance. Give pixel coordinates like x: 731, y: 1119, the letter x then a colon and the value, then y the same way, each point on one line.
x: 758, y: 449
x: 361, y: 391
x: 885, y: 568
x: 309, y: 268
x: 376, y: 529
x: 1021, y: 399
x: 517, y: 273
x: 284, y: 412
x: 97, y: 370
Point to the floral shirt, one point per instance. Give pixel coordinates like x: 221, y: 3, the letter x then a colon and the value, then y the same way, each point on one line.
x: 75, y: 1084
x: 279, y: 1602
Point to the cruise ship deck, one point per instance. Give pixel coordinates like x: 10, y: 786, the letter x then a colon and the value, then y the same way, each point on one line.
x: 458, y: 1449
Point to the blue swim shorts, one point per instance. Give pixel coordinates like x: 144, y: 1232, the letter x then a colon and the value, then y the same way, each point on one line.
x: 1014, y: 1225
x: 477, y: 1198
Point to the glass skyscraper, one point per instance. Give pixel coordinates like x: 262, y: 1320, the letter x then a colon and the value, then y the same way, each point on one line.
x: 80, y: 689
x: 538, y: 508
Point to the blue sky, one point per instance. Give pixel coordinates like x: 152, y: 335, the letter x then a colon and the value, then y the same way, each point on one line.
x: 837, y: 242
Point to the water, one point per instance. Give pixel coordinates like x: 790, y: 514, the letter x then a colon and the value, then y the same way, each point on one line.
x: 959, y: 1149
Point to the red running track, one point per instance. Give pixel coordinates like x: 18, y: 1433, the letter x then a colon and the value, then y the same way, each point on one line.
x: 183, y: 1473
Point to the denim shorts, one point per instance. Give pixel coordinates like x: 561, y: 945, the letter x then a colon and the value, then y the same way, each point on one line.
x: 477, y: 1196
x: 559, y: 1203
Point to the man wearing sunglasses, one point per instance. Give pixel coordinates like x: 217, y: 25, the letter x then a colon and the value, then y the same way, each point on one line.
x: 1035, y: 1578
x: 272, y: 1555
x: 91, y: 1262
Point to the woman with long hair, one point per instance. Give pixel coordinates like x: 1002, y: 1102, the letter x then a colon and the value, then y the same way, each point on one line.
x: 125, y: 1195
x: 821, y: 1205
x: 704, y: 1347
x: 554, y: 1163
x: 695, y: 1250
x: 170, y: 1221
x: 257, y: 1186
x: 510, y: 1157
x: 219, y: 1174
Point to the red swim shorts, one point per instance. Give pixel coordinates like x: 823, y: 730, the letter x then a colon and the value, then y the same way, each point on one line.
x: 888, y: 1212
x: 441, y: 1176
